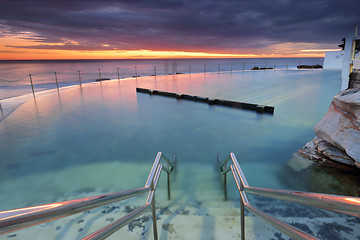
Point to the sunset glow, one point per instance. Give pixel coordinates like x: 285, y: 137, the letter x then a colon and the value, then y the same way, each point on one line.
x: 20, y: 48
x: 321, y: 50
x: 168, y: 29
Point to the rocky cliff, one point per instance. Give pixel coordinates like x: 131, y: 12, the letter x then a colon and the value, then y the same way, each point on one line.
x: 336, y: 148
x: 338, y: 133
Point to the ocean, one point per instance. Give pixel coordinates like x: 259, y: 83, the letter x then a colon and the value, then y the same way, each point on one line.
x: 15, y: 75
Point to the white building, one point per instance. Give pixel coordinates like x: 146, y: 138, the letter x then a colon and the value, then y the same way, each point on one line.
x: 334, y: 60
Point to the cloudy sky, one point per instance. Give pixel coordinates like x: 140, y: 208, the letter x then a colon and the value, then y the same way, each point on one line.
x: 55, y: 29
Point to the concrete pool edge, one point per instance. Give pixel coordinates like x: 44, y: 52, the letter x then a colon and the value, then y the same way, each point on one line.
x: 9, y: 105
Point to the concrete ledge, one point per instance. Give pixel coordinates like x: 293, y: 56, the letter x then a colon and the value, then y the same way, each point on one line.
x: 212, y: 101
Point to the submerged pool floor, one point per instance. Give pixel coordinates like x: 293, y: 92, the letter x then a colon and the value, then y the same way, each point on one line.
x: 103, y: 137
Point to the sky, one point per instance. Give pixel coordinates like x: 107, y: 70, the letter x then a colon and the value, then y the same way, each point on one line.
x: 123, y: 29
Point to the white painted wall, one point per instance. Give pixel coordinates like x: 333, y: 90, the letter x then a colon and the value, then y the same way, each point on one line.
x: 333, y: 60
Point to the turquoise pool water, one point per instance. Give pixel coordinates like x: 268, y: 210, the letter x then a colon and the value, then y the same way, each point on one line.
x: 92, y: 137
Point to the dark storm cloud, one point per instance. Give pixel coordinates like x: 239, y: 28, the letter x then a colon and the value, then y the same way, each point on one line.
x: 208, y: 25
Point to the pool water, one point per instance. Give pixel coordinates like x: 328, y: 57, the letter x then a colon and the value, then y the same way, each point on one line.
x: 103, y: 137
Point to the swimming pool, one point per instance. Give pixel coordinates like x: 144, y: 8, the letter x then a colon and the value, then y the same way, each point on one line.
x: 97, y: 137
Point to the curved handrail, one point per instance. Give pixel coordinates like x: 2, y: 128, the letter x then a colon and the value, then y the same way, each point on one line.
x: 16, y: 219
x: 12, y: 220
x: 118, y: 224
x: 342, y: 204
x: 285, y: 228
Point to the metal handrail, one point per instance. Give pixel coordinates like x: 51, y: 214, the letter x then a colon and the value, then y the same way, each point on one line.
x: 106, y: 231
x: 336, y: 203
x: 16, y: 219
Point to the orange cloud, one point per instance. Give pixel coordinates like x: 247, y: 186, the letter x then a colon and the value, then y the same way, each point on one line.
x: 16, y: 48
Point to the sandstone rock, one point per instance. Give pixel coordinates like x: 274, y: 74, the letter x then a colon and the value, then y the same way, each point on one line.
x: 333, y: 153
x: 340, y: 126
x: 324, y: 153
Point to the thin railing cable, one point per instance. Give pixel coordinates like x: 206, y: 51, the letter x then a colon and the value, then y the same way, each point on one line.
x: 343, y: 204
x: 149, y: 71
x: 14, y: 80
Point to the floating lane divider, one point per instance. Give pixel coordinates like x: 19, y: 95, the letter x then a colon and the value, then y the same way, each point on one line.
x: 212, y: 101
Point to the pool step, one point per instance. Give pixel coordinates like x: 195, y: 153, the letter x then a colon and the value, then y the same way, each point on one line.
x: 182, y: 218
x: 183, y: 227
x: 196, y: 211
x: 169, y: 227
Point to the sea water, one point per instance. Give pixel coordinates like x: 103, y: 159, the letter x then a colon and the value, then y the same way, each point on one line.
x: 103, y: 136
x: 15, y: 79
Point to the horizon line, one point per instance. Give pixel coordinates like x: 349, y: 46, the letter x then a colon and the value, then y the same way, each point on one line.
x: 97, y: 59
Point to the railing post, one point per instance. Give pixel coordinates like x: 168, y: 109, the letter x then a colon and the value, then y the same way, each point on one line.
x: 79, y: 77
x: 168, y: 182
x: 99, y: 75
x: 153, y: 208
x: 225, y: 185
x: 2, y: 113
x: 174, y: 161
x: 242, y: 214
x: 57, y: 84
x: 32, y: 86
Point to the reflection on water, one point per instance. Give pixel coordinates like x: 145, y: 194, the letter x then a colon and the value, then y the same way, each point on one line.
x: 15, y: 81
x: 98, y: 125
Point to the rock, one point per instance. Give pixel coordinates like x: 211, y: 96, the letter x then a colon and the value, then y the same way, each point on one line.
x: 309, y: 66
x: 330, y: 162
x: 333, y: 153
x: 102, y: 79
x: 263, y: 68
x: 323, y: 153
x: 309, y: 150
x: 340, y: 126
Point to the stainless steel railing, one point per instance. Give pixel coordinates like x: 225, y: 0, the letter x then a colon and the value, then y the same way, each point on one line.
x: 16, y: 219
x: 342, y: 204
